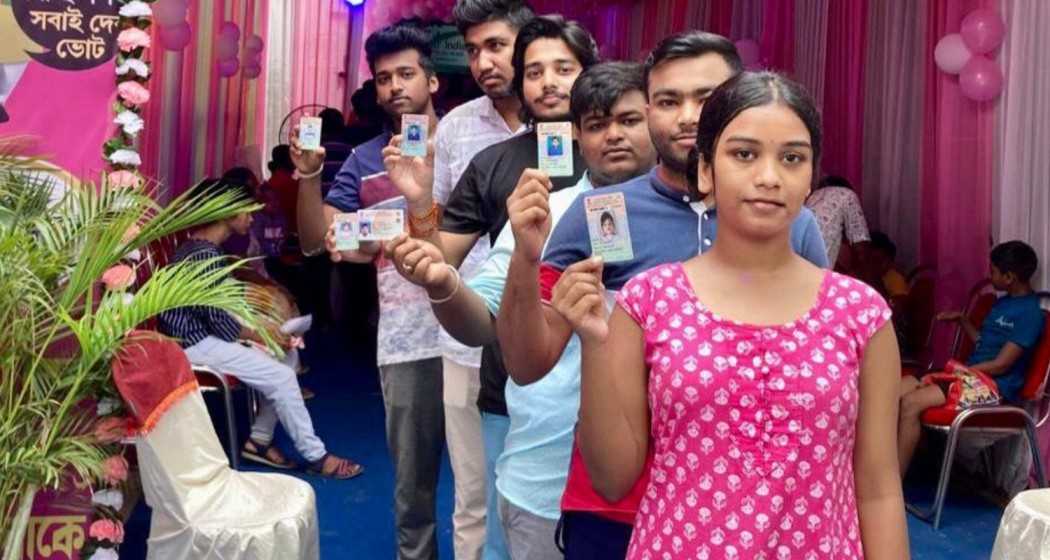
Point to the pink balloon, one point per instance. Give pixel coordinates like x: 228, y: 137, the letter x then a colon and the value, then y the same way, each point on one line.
x: 749, y: 53
x: 170, y: 12
x: 981, y: 79
x: 982, y: 30
x: 951, y: 54
x: 230, y: 29
x: 228, y: 67
x: 226, y: 47
x: 176, y: 37
x: 251, y: 72
x: 254, y: 44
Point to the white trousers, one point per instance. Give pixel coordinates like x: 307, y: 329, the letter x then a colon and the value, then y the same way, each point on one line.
x: 282, y: 399
x: 467, y: 453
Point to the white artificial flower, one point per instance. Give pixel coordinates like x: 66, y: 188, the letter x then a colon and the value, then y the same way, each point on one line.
x: 111, y: 497
x: 127, y: 298
x: 138, y: 66
x: 135, y: 255
x: 126, y: 157
x: 104, y: 554
x: 106, y: 406
x: 130, y: 122
x: 136, y: 8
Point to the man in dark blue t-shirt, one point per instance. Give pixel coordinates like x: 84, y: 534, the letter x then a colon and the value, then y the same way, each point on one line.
x: 1005, y: 341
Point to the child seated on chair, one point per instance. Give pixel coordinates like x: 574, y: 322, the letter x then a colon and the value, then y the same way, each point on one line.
x: 1003, y: 343
x: 210, y: 338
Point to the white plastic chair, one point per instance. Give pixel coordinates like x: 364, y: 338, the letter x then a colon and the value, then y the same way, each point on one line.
x: 204, y: 509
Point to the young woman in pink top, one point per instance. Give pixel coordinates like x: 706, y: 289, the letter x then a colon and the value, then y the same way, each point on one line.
x: 765, y: 387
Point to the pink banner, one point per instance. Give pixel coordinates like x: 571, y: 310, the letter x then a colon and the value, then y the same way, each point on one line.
x: 57, y: 79
x: 58, y: 526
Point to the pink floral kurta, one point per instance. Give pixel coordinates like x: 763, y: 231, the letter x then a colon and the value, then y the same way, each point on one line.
x: 752, y: 427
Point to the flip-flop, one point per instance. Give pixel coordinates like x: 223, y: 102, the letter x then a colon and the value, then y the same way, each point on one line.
x: 263, y: 458
x: 317, y: 468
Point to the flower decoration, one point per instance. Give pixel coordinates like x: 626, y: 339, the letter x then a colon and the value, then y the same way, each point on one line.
x: 110, y: 497
x: 133, y: 38
x: 140, y: 68
x: 104, y: 554
x: 124, y: 180
x: 111, y: 429
x: 133, y: 93
x: 106, y: 405
x: 131, y: 123
x: 118, y: 278
x: 126, y: 157
x: 114, y: 470
x: 107, y: 530
x: 136, y: 9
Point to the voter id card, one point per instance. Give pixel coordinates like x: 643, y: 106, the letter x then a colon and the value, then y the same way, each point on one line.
x: 414, y: 130
x: 554, y: 143
x: 380, y: 225
x: 608, y: 228
x: 310, y: 133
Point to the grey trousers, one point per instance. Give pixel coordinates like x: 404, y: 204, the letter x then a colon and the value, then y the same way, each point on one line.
x: 415, y: 436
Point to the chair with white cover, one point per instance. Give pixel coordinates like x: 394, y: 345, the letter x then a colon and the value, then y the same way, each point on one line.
x: 201, y: 507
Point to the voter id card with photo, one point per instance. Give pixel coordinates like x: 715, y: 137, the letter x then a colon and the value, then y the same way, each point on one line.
x: 554, y: 144
x: 310, y: 133
x: 414, y: 130
x: 380, y: 225
x: 608, y: 228
x: 346, y: 232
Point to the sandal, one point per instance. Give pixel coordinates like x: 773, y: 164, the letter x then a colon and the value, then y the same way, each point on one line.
x: 344, y: 468
x: 269, y: 455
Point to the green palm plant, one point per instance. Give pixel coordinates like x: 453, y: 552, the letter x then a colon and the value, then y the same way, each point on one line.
x: 52, y: 255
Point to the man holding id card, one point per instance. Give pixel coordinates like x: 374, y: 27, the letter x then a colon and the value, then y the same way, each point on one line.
x: 408, y: 350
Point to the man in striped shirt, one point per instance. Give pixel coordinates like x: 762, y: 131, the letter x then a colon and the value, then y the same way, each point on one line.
x: 210, y: 338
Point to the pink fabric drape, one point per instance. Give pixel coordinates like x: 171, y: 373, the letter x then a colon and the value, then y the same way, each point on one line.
x: 778, y: 35
x: 198, y: 119
x: 958, y: 161
x: 844, y: 90
x: 321, y: 35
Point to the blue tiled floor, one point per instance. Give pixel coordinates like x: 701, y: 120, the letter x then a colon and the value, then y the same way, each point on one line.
x: 356, y: 516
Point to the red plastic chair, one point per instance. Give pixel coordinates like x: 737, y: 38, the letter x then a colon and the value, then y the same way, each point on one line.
x: 999, y: 419
x: 979, y: 302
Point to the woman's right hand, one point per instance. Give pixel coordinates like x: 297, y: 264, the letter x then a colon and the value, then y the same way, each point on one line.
x: 579, y: 296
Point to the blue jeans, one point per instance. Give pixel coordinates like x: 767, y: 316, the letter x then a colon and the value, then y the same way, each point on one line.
x: 494, y: 429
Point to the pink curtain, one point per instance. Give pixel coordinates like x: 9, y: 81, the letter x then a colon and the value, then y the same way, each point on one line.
x: 200, y: 122
x: 811, y: 34
x: 958, y: 161
x: 321, y: 37
x: 778, y: 35
x: 893, y: 121
x: 844, y: 90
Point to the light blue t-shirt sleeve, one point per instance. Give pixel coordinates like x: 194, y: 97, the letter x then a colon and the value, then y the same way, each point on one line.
x: 807, y: 241
x: 490, y: 281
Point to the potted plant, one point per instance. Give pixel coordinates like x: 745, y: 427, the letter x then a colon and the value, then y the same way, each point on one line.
x: 61, y: 324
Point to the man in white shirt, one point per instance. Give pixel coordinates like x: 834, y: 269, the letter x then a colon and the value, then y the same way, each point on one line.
x: 489, y: 28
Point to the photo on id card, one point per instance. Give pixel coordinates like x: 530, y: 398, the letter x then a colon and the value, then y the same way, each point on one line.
x: 346, y: 232
x: 554, y: 147
x: 380, y: 225
x: 414, y: 135
x: 608, y: 228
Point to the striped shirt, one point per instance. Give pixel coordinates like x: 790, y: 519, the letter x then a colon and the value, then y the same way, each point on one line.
x: 461, y: 134
x: 190, y: 325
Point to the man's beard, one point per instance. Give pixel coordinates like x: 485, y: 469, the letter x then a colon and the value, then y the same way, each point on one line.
x: 669, y: 159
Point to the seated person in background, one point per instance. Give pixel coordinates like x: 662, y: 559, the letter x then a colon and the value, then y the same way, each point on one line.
x: 883, y: 274
x: 839, y: 213
x: 1004, y: 342
x: 240, y: 244
x: 210, y: 338
x: 283, y: 184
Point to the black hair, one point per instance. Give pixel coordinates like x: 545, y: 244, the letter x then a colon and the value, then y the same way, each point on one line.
x: 599, y: 88
x: 468, y: 13
x: 606, y: 217
x: 281, y: 158
x: 210, y: 187
x: 882, y: 242
x: 745, y: 91
x: 1016, y: 257
x: 241, y: 176
x: 332, y: 123
x: 396, y: 38
x: 364, y: 101
x: 835, y: 181
x: 692, y: 44
x: 578, y: 39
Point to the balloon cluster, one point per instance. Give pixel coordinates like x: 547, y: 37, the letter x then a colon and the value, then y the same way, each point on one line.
x: 964, y: 53
x: 175, y: 32
x: 227, y: 47
x: 388, y: 12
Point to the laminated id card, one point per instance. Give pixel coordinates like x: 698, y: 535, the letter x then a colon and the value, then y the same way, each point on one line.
x: 414, y: 135
x: 380, y: 225
x: 607, y: 227
x: 310, y: 133
x: 346, y: 232
x: 554, y: 142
